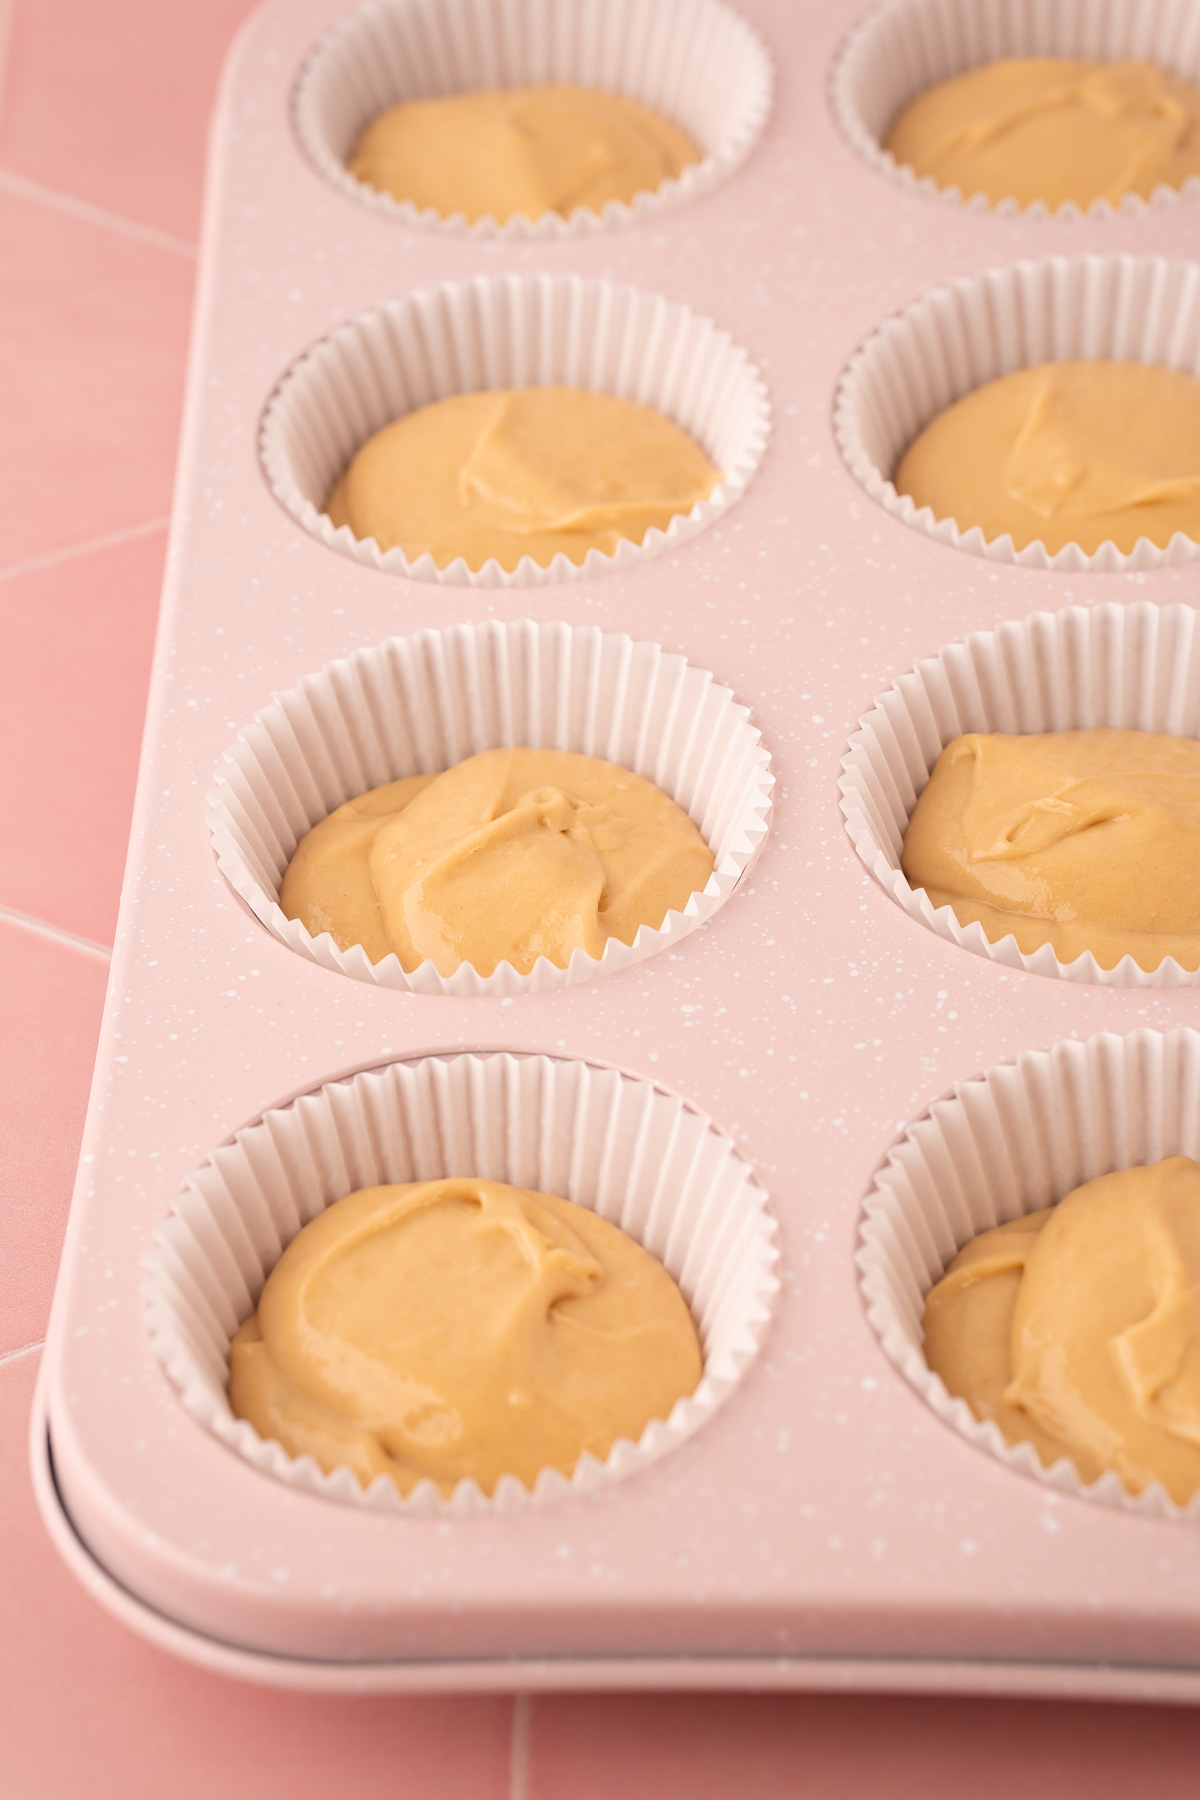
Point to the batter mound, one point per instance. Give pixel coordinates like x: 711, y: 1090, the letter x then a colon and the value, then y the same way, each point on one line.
x: 527, y: 150
x: 456, y: 1330
x: 1053, y: 130
x: 508, y: 856
x: 1066, y: 453
x: 521, y: 472
x: 1084, y: 840
x: 1078, y: 1329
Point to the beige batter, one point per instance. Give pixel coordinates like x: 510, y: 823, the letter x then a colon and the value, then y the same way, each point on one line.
x: 1068, y: 453
x: 521, y: 472
x: 529, y: 150
x: 1053, y: 130
x: 1085, y: 840
x: 1078, y: 1329
x: 461, y: 1330
x: 511, y: 855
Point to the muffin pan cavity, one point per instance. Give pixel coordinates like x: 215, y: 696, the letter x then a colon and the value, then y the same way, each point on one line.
x: 1124, y: 308
x: 635, y: 1155
x: 1013, y: 1141
x: 509, y: 332
x: 698, y: 62
x: 906, y: 46
x: 421, y: 704
x: 1133, y: 667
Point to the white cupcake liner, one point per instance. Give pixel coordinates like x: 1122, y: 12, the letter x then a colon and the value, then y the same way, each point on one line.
x: 1128, y: 308
x: 1133, y: 667
x: 697, y: 62
x: 1016, y: 1139
x: 635, y: 1155
x: 907, y: 46
x: 423, y: 703
x: 511, y: 331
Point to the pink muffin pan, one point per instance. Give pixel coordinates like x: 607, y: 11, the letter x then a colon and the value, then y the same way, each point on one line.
x: 805, y: 1090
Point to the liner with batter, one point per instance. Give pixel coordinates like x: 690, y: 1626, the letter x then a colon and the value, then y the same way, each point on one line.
x: 526, y: 150
x: 508, y: 856
x: 1054, y: 130
x: 538, y: 472
x: 461, y: 1330
x: 1077, y: 1329
x: 1080, y: 452
x: 1084, y: 840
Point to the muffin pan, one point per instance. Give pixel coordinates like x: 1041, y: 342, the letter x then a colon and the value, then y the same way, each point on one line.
x: 827, y: 1524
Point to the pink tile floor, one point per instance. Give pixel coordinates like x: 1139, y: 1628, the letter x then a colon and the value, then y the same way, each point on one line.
x: 103, y: 105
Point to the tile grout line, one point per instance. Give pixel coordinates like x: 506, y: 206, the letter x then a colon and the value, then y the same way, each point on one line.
x: 24, y: 189
x: 518, y: 1754
x: 12, y: 1356
x: 52, y: 557
x: 58, y: 934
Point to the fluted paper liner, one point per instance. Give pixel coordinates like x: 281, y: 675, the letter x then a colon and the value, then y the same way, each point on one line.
x: 637, y: 1156
x: 697, y: 62
x: 423, y: 703
x: 907, y: 46
x: 1133, y: 667
x: 1125, y: 308
x: 503, y: 332
x: 1017, y: 1139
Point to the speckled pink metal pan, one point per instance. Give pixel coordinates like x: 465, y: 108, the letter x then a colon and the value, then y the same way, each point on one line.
x: 825, y: 1527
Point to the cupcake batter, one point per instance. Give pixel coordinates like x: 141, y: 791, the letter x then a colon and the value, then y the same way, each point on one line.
x: 1068, y: 453
x: 526, y: 150
x: 1078, y: 1329
x: 1084, y: 840
x: 461, y: 1330
x: 510, y: 855
x: 1053, y: 130
x: 521, y: 472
